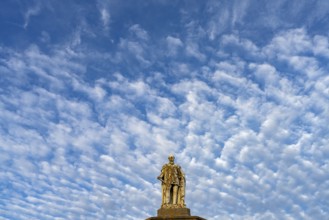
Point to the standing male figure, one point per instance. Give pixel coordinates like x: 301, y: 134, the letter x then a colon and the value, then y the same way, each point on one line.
x: 173, y: 184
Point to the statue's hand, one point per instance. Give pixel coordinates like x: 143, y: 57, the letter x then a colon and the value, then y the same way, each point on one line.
x: 162, y: 181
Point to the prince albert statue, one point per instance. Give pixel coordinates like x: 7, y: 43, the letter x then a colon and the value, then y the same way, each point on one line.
x: 173, y: 185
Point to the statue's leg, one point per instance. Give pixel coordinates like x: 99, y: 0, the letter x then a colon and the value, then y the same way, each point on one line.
x: 175, y: 189
x: 179, y: 195
x: 163, y: 194
x: 167, y: 195
x: 182, y: 195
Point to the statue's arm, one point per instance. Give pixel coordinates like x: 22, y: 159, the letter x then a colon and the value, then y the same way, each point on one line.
x: 160, y: 177
x: 181, y: 175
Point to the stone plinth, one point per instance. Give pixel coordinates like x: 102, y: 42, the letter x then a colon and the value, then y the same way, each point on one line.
x: 171, y: 212
x: 177, y: 218
x: 175, y: 214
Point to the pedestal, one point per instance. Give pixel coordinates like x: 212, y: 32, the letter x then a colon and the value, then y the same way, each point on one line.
x: 177, y: 218
x: 172, y: 212
x: 175, y: 214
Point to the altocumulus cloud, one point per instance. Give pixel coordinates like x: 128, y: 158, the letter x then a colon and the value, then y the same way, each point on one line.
x: 84, y: 130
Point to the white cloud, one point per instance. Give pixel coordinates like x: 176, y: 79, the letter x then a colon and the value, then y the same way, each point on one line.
x: 291, y: 42
x: 265, y: 73
x: 244, y: 44
x: 173, y: 44
x: 105, y: 16
x: 32, y: 11
x: 193, y: 50
x: 139, y: 32
x: 321, y: 46
x: 136, y: 50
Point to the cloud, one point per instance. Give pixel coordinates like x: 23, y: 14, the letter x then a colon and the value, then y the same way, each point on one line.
x: 139, y: 32
x: 136, y: 46
x: 291, y: 42
x: 31, y: 11
x: 173, y: 44
x: 105, y: 17
x: 193, y: 51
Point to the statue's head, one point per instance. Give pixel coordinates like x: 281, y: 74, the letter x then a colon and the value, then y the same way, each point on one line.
x: 171, y: 159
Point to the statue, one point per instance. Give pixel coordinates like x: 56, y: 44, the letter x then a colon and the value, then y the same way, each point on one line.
x: 173, y: 193
x: 173, y: 185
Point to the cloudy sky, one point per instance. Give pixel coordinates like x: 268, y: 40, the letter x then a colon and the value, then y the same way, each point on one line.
x: 94, y: 96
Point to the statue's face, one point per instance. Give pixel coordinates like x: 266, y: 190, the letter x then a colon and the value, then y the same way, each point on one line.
x: 171, y: 159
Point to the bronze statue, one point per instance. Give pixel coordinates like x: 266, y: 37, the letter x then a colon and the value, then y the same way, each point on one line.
x: 173, y: 185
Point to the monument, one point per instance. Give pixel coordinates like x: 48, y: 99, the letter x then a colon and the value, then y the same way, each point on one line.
x: 173, y: 183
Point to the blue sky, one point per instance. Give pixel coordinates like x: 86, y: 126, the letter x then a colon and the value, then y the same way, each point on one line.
x: 94, y: 96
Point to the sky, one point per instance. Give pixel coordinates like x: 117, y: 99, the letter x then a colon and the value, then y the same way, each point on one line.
x: 94, y: 96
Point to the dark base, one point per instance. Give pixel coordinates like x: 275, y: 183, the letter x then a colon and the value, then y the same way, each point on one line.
x: 177, y: 218
x: 175, y: 214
